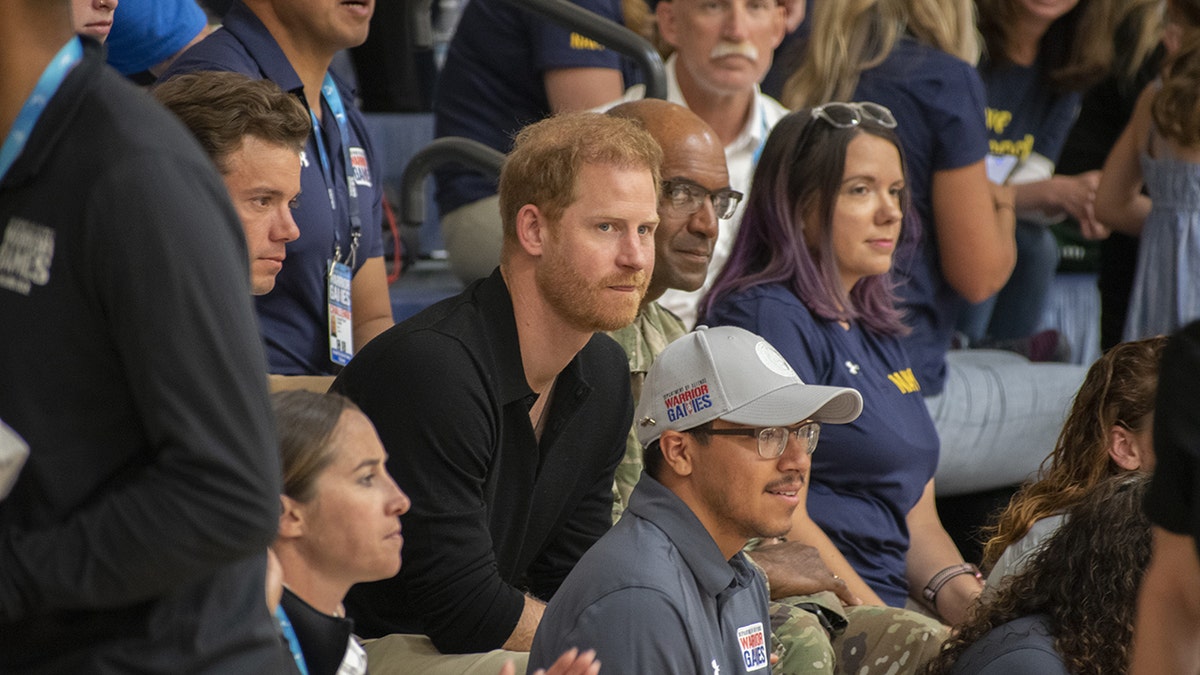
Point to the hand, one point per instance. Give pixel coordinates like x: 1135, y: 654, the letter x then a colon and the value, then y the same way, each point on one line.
x: 1094, y: 231
x: 1076, y: 195
x: 572, y: 662
x: 793, y: 568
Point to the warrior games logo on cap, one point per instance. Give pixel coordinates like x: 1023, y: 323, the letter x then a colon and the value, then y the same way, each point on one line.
x: 687, y: 400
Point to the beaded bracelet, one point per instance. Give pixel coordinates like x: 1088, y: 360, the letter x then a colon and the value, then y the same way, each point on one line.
x: 941, y: 578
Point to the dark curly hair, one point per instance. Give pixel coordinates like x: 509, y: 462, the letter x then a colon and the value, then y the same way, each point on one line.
x: 1084, y: 579
x: 1118, y: 390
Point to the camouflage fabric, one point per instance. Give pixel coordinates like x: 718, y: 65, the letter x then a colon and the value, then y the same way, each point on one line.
x: 867, y: 640
x: 654, y: 328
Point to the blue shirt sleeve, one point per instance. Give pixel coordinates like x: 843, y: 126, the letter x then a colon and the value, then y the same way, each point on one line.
x: 556, y: 47
x: 959, y: 118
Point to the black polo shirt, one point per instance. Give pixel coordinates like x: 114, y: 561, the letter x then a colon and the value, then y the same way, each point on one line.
x: 495, y: 514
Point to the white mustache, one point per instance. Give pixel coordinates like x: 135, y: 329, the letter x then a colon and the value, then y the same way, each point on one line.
x: 745, y: 49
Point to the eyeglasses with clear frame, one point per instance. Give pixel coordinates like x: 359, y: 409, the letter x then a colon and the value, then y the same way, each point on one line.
x: 686, y: 198
x: 847, y: 115
x: 772, y: 441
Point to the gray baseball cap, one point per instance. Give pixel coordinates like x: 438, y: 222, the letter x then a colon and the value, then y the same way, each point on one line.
x: 735, y: 375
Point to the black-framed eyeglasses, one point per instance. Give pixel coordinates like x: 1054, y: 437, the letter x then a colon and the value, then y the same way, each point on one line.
x: 847, y: 115
x: 772, y: 441
x: 687, y: 198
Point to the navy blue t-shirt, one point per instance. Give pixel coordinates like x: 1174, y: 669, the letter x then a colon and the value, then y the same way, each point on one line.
x: 938, y: 102
x: 293, y: 317
x: 866, y: 475
x: 1024, y: 115
x: 492, y: 84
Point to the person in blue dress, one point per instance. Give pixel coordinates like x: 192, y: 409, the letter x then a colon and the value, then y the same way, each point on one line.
x: 1160, y: 152
x: 810, y: 271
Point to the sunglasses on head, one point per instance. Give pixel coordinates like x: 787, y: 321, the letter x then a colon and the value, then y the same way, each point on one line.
x: 848, y: 115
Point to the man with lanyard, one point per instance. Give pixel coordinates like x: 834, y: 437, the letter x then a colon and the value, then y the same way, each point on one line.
x: 331, y: 297
x: 721, y: 53
x: 134, y: 537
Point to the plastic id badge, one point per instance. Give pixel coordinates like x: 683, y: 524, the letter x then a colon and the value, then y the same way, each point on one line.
x: 13, y: 452
x: 341, y: 326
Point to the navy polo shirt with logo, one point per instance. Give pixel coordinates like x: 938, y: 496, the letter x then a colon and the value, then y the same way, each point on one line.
x: 656, y: 595
x: 293, y: 317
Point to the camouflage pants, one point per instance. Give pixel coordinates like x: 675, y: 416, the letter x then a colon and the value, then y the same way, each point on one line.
x: 867, y: 640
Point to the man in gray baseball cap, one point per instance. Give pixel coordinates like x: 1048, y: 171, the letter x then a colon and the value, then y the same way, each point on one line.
x: 728, y: 428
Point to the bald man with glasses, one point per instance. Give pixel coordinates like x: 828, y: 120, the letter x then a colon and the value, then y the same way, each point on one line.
x: 694, y: 196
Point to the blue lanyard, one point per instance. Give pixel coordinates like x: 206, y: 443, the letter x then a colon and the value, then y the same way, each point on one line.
x: 51, y: 79
x: 329, y: 92
x: 293, y: 642
x: 325, y: 170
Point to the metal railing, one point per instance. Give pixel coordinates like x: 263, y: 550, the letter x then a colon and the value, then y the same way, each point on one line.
x: 441, y: 152
x: 474, y: 155
x: 608, y: 33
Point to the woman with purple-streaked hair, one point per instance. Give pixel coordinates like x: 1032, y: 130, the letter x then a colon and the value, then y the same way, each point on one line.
x: 811, y: 271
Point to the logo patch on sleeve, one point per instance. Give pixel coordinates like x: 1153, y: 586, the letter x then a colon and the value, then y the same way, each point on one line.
x: 753, y: 644
x: 359, y: 167
x: 25, y: 255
